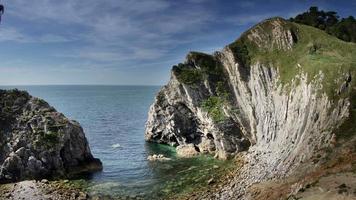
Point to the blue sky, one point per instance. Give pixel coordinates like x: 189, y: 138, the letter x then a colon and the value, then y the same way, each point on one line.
x: 126, y: 42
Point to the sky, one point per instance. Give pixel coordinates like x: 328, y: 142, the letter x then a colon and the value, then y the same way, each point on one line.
x: 125, y: 42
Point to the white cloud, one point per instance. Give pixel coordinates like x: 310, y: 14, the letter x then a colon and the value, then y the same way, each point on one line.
x: 58, y: 11
x: 120, y: 30
x: 116, y: 30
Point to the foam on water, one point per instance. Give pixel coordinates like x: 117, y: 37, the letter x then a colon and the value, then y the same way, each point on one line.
x: 115, y: 146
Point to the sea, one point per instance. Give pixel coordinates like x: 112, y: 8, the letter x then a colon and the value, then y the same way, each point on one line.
x: 113, y: 119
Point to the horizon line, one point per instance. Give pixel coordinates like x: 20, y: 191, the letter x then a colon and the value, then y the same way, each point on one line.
x: 20, y: 85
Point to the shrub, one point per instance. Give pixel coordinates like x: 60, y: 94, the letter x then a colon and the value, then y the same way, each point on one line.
x: 189, y: 76
x: 214, y: 107
x: 344, y: 29
x: 221, y: 90
x: 241, y: 51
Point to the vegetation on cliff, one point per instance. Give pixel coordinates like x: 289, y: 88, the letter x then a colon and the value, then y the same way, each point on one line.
x: 283, y: 90
x: 313, y: 52
x: 214, y: 107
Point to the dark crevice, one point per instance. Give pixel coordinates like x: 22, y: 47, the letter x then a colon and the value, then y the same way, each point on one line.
x: 210, y: 136
x: 294, y: 36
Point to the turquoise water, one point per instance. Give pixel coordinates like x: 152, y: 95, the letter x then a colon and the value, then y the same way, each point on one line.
x: 113, y: 118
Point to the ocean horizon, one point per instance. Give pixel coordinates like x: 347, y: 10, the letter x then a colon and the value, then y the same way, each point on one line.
x: 113, y: 119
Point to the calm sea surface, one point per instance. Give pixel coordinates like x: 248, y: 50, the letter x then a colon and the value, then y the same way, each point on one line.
x: 113, y: 118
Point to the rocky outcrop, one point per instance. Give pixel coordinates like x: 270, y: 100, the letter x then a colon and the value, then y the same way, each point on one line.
x: 266, y: 95
x: 36, y: 141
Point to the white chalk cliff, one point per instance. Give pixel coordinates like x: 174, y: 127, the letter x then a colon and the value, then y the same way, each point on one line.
x: 268, y: 96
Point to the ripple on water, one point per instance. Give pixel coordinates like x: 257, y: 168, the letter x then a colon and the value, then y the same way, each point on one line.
x: 113, y: 118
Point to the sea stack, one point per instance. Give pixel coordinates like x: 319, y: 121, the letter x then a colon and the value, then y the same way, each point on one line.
x: 38, y: 142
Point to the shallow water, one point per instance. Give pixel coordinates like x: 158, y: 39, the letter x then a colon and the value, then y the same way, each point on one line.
x: 113, y: 118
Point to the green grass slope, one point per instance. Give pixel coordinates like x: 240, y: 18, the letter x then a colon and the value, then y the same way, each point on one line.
x: 314, y: 51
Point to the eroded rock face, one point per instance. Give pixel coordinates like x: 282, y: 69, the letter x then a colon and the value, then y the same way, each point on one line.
x: 36, y: 141
x: 178, y: 116
x: 233, y: 101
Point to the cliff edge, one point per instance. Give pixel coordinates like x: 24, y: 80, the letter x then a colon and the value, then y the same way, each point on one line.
x: 280, y: 96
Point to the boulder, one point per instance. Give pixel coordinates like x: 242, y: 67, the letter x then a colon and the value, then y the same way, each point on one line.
x: 159, y: 157
x: 187, y: 151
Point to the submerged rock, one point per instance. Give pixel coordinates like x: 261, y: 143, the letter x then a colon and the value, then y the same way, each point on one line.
x: 38, y: 142
x: 159, y: 157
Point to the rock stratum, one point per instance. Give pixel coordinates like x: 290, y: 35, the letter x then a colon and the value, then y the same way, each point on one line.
x: 38, y: 142
x: 282, y: 97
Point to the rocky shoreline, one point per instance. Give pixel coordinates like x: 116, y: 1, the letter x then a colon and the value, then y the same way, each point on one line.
x: 41, y: 190
x: 287, y: 140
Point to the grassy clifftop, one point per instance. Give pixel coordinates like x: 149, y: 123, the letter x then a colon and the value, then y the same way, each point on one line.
x: 312, y: 51
x: 288, y: 46
x: 291, y: 48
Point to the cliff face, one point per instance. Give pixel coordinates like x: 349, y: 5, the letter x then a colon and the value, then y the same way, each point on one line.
x: 280, y: 93
x: 36, y: 141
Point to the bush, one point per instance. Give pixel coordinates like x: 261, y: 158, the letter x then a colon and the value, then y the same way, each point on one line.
x: 190, y: 76
x: 241, y: 51
x: 344, y: 29
x: 221, y: 90
x: 214, y: 107
x: 208, y: 64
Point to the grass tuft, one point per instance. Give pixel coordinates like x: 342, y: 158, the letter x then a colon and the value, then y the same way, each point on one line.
x: 214, y: 107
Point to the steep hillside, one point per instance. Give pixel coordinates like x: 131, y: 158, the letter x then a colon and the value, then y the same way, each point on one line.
x: 280, y: 96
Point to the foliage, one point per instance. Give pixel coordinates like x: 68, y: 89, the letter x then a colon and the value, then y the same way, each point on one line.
x: 214, y: 106
x: 241, y: 51
x: 189, y: 76
x: 210, y: 67
x: 199, y: 66
x: 204, y: 61
x: 344, y: 29
x: 221, y: 90
x: 46, y: 139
